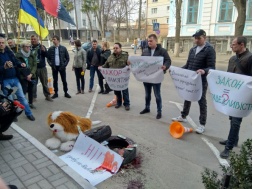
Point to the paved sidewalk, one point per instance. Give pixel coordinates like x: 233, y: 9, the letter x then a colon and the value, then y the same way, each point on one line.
x: 28, y: 164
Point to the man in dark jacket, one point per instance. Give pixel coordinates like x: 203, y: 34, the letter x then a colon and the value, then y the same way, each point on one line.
x: 93, y: 61
x: 155, y: 49
x: 58, y: 59
x: 40, y: 52
x: 241, y: 63
x: 12, y: 45
x: 9, y: 75
x: 201, y: 58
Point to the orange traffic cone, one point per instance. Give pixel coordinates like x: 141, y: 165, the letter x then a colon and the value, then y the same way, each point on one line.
x: 113, y: 102
x: 50, y: 85
x: 177, y: 129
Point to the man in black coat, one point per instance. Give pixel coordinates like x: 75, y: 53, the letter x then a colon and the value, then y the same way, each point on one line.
x: 201, y: 58
x: 58, y: 59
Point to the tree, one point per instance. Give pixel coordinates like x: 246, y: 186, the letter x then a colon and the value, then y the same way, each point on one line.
x: 241, y: 18
x: 178, y: 27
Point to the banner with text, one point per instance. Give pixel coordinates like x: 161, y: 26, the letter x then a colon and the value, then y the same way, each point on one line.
x: 147, y: 68
x: 188, y: 83
x: 117, y: 79
x: 92, y: 160
x: 231, y: 93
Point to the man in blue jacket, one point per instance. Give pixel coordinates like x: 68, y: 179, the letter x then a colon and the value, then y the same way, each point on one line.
x: 201, y: 58
x: 9, y: 76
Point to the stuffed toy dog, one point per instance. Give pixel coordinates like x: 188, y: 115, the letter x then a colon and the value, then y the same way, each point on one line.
x: 65, y: 129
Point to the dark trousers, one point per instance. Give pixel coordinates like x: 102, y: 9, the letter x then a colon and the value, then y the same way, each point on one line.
x: 79, y: 79
x: 42, y: 75
x: 157, y: 92
x: 202, y: 106
x: 63, y: 79
x: 125, y: 97
x: 100, y: 81
x: 233, y: 136
x: 27, y: 87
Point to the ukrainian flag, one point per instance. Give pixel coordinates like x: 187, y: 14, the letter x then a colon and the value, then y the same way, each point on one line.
x: 28, y: 15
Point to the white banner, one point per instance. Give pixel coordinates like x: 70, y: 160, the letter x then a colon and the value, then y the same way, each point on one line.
x: 147, y: 68
x: 188, y: 83
x: 117, y: 79
x: 231, y: 93
x: 92, y: 160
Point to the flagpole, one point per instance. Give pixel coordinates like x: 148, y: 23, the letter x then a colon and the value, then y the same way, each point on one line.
x: 18, y: 26
x: 39, y: 24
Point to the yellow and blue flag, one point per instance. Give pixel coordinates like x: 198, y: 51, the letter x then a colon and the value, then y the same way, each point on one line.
x: 28, y: 15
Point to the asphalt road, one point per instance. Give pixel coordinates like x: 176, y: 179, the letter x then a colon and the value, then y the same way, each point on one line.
x: 162, y: 161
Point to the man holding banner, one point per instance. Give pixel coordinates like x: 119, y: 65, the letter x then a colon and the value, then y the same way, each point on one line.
x: 155, y: 49
x: 241, y: 63
x: 118, y: 59
x: 201, y: 58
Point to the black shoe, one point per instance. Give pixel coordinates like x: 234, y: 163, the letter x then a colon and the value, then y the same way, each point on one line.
x: 145, y: 111
x: 100, y: 92
x: 67, y: 95
x: 225, y: 154
x: 158, y: 116
x: 224, y: 142
x: 127, y: 108
x: 32, y: 106
x: 117, y: 106
x: 106, y: 92
x: 5, y: 137
x: 54, y: 96
x: 30, y: 117
x: 12, y: 187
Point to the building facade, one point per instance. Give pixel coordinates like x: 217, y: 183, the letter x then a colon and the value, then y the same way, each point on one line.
x: 216, y: 17
x: 157, y: 11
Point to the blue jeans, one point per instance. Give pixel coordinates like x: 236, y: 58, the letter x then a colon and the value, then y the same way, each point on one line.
x: 14, y: 82
x: 157, y: 92
x: 125, y: 97
x: 93, y: 69
x: 233, y: 137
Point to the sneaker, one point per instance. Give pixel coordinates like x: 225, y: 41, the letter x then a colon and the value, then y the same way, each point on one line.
x: 200, y: 129
x: 48, y: 98
x: 127, y: 108
x: 158, y: 116
x: 30, y: 117
x: 32, y: 106
x: 145, y: 111
x: 5, y: 137
x: 225, y: 154
x: 67, y: 95
x: 55, y: 96
x: 180, y: 119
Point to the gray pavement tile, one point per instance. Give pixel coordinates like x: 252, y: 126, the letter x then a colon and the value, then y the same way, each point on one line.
x: 56, y: 177
x: 18, y: 146
x: 45, y: 172
x: 44, y: 184
x: 33, y: 186
x: 29, y: 168
x: 54, y: 169
x: 31, y: 157
x: 29, y: 176
x: 18, y: 183
x: 15, y: 154
x: 7, y: 174
x: 15, y: 161
x: 13, y: 166
x: 7, y: 157
x: 61, y: 187
x: 70, y: 185
x: 60, y: 181
x: 20, y: 171
x: 33, y: 180
x: 45, y: 164
x: 26, y: 143
x: 6, y: 143
x: 8, y: 150
x: 30, y: 151
x: 10, y: 178
x: 41, y: 160
x: 4, y: 168
x: 17, y: 139
x: 38, y: 155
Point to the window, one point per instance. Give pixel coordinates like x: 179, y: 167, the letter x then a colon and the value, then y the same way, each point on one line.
x: 226, y: 8
x: 84, y: 22
x: 192, y: 11
x: 154, y: 21
x: 168, y: 8
x: 249, y: 10
x: 153, y: 10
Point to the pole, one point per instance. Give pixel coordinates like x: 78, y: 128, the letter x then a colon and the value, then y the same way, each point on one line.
x: 77, y: 35
x: 59, y: 25
x: 139, y: 25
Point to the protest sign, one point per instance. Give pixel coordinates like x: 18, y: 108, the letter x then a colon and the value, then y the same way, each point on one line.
x: 231, y: 93
x: 92, y: 160
x: 147, y: 68
x: 117, y: 79
x: 188, y: 83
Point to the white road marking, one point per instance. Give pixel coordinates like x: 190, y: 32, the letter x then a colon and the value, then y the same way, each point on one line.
x: 92, y: 102
x: 211, y: 146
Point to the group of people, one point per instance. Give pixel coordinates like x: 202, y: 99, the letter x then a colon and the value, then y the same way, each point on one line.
x: 201, y: 58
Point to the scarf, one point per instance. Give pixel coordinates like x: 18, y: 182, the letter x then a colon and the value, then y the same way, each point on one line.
x: 26, y: 54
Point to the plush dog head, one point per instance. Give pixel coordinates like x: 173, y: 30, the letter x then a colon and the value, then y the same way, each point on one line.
x: 60, y: 121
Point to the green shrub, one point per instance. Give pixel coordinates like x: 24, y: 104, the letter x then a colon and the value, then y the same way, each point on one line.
x: 239, y: 173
